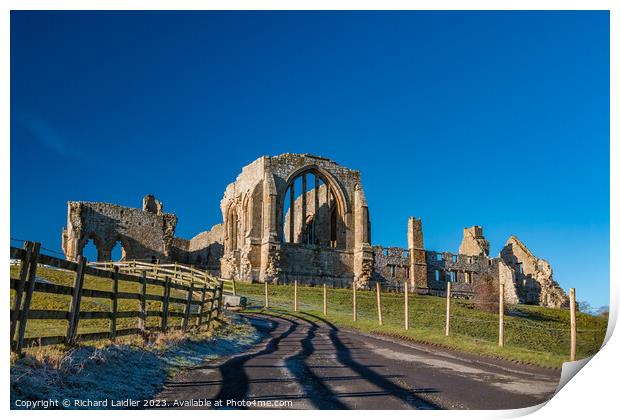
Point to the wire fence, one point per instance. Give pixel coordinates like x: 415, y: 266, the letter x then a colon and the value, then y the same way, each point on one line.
x: 527, y: 327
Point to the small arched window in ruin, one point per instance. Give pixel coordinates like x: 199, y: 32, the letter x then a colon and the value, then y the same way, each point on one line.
x: 118, y: 253
x: 90, y: 251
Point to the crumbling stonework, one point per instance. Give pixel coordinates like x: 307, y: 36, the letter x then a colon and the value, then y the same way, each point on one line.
x: 144, y: 234
x: 474, y: 243
x: 534, y: 276
x: 276, y: 228
x: 305, y: 218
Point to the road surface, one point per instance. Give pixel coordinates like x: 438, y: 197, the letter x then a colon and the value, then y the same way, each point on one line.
x: 310, y: 365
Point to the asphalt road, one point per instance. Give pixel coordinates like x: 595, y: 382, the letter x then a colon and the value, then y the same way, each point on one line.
x: 306, y: 365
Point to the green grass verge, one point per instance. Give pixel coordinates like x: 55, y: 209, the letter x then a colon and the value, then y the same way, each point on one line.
x: 533, y: 334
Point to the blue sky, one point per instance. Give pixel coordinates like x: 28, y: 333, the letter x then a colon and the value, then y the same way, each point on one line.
x: 499, y: 119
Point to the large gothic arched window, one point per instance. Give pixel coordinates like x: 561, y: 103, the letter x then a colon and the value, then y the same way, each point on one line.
x: 309, y: 211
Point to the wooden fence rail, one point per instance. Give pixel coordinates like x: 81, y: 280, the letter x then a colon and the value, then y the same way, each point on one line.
x: 177, y: 272
x: 194, y: 300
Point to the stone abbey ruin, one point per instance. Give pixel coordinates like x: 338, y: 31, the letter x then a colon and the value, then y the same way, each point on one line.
x: 305, y: 218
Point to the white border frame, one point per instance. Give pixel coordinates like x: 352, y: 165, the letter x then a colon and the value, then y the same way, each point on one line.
x: 592, y: 394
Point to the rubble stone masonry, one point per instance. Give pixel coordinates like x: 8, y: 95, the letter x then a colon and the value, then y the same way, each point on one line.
x: 303, y: 217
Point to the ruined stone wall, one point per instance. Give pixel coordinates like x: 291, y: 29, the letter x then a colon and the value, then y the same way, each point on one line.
x: 534, y: 276
x: 462, y: 270
x: 391, y: 267
x: 255, y: 243
x: 473, y: 242
x: 465, y: 271
x: 206, y: 248
x: 315, y: 265
x: 254, y: 236
x: 143, y: 234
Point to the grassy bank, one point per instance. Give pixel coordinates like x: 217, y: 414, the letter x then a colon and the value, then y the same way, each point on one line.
x: 47, y: 301
x: 533, y: 334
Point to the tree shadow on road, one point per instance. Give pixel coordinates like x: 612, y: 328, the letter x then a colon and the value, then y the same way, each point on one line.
x: 235, y: 381
x: 344, y: 356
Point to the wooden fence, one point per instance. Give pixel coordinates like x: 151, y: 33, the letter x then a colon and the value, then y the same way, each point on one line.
x: 177, y: 272
x: 202, y: 301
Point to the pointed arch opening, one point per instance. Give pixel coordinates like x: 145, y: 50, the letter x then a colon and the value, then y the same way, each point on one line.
x: 232, y: 227
x: 311, y: 210
x: 91, y: 248
x: 90, y: 251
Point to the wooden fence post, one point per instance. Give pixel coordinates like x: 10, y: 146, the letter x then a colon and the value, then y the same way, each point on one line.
x: 210, y: 313
x: 354, y: 302
x: 202, y: 304
x: 266, y: 294
x: 324, y: 299
x: 448, y: 293
x: 406, y: 305
x: 219, y: 300
x: 142, y: 318
x: 188, y: 305
x: 501, y: 314
x: 76, y: 298
x: 19, y: 293
x: 573, y: 326
x: 234, y: 287
x: 23, y: 317
x: 379, y: 313
x: 166, y: 305
x: 295, y: 296
x: 114, y: 304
